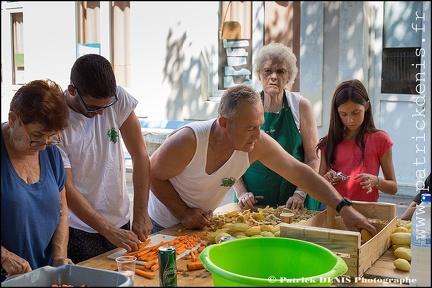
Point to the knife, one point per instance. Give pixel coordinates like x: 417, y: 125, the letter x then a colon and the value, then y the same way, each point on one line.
x: 207, y: 213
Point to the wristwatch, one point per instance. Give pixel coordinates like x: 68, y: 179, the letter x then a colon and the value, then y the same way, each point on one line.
x: 345, y: 201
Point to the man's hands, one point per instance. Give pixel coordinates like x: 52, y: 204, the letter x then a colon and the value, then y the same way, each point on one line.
x: 355, y: 221
x: 123, y: 239
x: 195, y: 218
x: 142, y: 227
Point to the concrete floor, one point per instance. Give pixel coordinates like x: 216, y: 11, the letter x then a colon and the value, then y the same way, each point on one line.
x: 402, y: 198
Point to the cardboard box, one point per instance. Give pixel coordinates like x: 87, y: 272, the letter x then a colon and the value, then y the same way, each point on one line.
x: 74, y: 275
x: 327, y: 229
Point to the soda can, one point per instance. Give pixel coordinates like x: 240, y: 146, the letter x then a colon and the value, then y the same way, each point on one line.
x: 167, y: 266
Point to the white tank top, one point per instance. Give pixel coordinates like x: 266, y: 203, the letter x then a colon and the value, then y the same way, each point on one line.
x: 197, y: 188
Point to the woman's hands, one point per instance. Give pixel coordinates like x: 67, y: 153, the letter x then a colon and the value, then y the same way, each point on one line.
x: 369, y: 181
x: 247, y: 201
x: 61, y: 261
x: 335, y: 177
x: 12, y: 264
x: 295, y: 202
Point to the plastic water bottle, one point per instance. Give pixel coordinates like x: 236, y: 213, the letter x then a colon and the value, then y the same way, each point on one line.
x: 420, y: 273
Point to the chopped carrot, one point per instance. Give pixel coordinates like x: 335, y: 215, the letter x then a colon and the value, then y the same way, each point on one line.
x: 201, y: 248
x: 133, y: 253
x: 145, y: 274
x: 154, y: 267
x: 196, y: 265
x: 181, y: 243
x: 141, y: 246
x: 193, y: 256
x: 180, y: 250
x: 149, y: 257
x: 145, y: 243
x: 141, y: 267
x: 150, y: 263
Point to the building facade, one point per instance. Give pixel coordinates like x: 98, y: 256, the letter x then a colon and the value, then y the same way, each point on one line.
x: 177, y: 58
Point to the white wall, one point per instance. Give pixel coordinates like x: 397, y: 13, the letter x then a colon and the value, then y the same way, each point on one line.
x: 49, y: 46
x: 165, y: 56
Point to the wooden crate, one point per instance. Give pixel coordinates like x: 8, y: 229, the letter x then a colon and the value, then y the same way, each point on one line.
x: 327, y: 229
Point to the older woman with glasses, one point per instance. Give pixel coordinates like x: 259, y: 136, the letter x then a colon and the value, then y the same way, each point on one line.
x: 34, y: 213
x: 98, y: 197
x: 289, y: 119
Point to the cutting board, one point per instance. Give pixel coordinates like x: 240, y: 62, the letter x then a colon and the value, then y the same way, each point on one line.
x: 155, y: 239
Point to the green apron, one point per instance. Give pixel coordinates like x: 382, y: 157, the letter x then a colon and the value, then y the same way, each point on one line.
x: 262, y: 181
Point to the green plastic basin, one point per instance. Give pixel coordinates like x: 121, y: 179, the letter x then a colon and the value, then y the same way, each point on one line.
x: 268, y: 261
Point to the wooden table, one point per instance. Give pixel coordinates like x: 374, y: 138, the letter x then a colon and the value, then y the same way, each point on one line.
x: 382, y: 273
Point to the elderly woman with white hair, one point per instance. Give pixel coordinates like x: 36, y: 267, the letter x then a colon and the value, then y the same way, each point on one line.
x: 289, y: 119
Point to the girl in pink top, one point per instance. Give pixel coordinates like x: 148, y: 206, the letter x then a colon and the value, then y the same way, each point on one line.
x: 354, y: 150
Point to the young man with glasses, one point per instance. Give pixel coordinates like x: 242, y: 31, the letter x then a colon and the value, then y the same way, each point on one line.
x: 93, y: 157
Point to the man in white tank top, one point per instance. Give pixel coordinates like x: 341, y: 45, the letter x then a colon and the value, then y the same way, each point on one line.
x: 192, y: 171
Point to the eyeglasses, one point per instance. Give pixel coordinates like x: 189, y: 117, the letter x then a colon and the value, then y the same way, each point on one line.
x: 55, y: 139
x: 280, y: 72
x: 96, y: 109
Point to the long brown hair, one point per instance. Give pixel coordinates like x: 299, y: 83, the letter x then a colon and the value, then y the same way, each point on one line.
x: 354, y: 91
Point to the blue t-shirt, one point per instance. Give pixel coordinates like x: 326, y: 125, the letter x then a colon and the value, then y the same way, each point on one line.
x: 30, y: 213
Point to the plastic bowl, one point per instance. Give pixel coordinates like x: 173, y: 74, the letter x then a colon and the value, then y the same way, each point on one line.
x: 74, y: 275
x: 268, y: 261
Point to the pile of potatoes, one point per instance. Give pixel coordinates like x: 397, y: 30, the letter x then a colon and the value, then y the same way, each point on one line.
x: 401, y: 240
x: 264, y: 222
x: 242, y: 230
